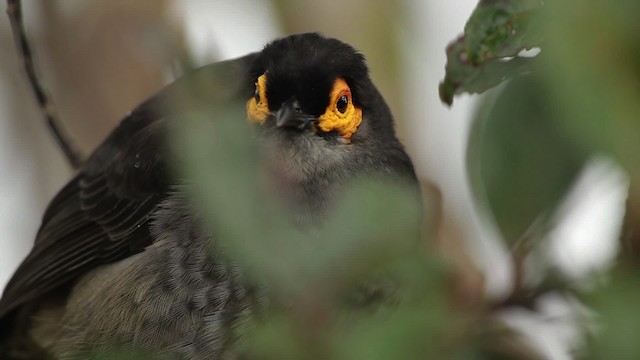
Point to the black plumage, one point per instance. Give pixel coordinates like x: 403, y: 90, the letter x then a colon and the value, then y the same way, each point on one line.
x: 119, y: 259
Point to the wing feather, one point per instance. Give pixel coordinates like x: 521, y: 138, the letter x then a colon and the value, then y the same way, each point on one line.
x: 104, y: 213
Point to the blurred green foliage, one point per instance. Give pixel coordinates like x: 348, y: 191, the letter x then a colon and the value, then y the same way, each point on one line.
x: 593, y: 72
x: 319, y: 282
x: 579, y: 97
x: 520, y: 160
x: 617, y: 306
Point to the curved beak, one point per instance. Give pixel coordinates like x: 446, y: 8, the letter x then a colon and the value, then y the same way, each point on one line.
x: 290, y: 115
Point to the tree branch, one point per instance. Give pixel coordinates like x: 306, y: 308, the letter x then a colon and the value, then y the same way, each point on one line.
x: 14, y: 11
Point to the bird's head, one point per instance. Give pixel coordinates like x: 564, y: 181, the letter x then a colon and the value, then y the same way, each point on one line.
x: 319, y: 115
x: 308, y: 82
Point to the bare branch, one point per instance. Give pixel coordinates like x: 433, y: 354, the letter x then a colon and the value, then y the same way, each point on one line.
x: 14, y: 11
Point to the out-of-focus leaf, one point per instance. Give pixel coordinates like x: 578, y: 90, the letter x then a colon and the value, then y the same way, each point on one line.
x: 519, y: 161
x: 373, y: 223
x: 617, y: 328
x: 593, y: 68
x: 487, y: 53
x: 411, y: 332
x: 422, y: 325
x: 402, y: 330
x: 320, y: 282
x: 276, y: 337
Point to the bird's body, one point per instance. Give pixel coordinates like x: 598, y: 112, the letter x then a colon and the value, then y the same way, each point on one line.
x: 120, y: 260
x: 178, y: 300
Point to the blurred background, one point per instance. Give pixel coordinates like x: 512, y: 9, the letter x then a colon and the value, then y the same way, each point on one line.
x: 99, y: 59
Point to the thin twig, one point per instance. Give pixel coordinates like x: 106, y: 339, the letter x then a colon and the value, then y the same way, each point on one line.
x: 14, y: 11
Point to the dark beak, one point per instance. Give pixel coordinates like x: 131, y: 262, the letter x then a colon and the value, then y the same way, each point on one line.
x: 291, y: 116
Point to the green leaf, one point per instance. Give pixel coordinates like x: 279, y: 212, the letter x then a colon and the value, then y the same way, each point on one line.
x: 487, y: 53
x: 593, y: 66
x: 616, y: 306
x: 519, y: 160
x: 407, y: 333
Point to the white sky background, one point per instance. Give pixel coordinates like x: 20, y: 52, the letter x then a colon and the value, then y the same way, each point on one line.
x: 438, y: 138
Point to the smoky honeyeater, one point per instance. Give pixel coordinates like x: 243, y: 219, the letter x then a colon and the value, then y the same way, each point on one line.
x: 120, y: 258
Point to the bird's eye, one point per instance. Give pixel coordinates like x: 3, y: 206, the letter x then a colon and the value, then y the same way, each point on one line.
x: 342, y: 115
x: 256, y: 94
x: 342, y: 104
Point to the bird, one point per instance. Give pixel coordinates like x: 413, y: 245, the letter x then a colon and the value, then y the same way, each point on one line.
x: 120, y: 259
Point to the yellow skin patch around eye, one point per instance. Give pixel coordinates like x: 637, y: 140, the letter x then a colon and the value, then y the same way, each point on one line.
x: 345, y: 123
x: 258, y: 111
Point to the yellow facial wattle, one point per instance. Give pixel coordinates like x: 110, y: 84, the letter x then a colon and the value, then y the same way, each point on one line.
x: 341, y: 114
x: 258, y: 106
